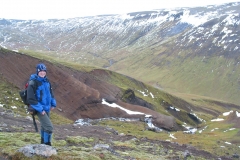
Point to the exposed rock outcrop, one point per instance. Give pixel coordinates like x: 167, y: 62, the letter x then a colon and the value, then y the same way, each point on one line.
x: 38, y: 149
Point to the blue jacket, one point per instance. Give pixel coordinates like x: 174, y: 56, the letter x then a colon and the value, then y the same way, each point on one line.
x: 39, y: 94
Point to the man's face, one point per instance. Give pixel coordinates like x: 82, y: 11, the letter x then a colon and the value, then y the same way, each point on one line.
x: 42, y: 74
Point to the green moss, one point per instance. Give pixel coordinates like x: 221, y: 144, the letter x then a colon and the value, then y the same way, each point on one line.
x: 10, y: 142
x: 58, y: 119
x: 59, y: 143
x: 79, y: 139
x: 128, y: 144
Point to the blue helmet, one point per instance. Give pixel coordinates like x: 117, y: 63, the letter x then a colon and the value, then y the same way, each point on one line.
x: 41, y: 67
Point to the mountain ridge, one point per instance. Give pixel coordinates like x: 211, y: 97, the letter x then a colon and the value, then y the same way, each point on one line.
x: 185, y: 50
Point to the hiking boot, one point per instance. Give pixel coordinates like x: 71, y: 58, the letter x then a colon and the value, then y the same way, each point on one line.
x: 48, y: 143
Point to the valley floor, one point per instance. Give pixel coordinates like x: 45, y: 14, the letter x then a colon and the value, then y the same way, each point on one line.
x: 10, y: 123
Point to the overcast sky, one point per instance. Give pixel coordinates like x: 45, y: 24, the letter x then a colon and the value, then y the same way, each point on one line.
x: 48, y: 9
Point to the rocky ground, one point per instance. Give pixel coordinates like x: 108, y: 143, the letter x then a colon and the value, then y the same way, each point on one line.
x: 9, y: 122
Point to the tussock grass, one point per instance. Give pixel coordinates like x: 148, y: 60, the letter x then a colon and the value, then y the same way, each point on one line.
x: 137, y: 129
x: 11, y: 142
x: 57, y: 119
x: 212, y: 139
x: 78, y: 139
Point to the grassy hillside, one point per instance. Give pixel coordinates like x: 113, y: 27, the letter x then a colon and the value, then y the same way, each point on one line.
x: 204, y: 106
x: 215, y: 76
x: 219, y: 138
x: 211, y: 78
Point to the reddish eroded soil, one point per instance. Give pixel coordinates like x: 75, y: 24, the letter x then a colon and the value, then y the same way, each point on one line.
x: 79, y: 94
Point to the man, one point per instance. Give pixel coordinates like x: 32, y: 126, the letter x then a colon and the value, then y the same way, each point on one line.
x: 40, y: 97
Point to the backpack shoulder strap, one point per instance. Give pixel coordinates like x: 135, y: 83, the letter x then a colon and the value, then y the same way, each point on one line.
x: 34, y: 82
x: 51, y: 89
x: 50, y: 85
x: 31, y: 82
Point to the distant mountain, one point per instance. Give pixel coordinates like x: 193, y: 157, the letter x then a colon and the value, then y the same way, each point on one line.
x: 186, y: 50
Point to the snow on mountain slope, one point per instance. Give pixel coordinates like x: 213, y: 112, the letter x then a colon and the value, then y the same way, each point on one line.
x: 193, y: 47
x: 101, y: 33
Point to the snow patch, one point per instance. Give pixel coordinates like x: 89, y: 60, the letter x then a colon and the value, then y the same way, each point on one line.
x: 238, y: 114
x: 218, y: 119
x: 171, y: 135
x: 114, y: 105
x: 13, y: 107
x: 228, y: 143
x: 173, y: 108
x: 227, y: 113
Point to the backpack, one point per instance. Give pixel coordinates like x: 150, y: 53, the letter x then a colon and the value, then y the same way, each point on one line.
x: 32, y: 111
x: 23, y: 95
